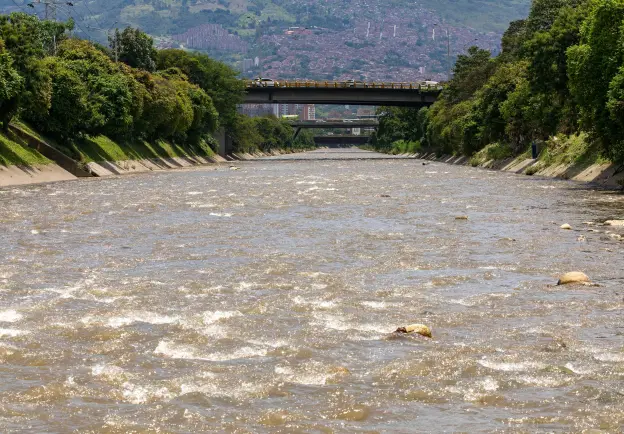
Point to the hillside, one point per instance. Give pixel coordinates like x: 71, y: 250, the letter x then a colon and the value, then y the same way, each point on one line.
x: 366, y: 39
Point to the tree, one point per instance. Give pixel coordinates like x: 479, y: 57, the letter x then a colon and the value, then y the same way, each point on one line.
x: 134, y: 48
x: 218, y: 80
x: 594, y: 68
x: 11, y: 86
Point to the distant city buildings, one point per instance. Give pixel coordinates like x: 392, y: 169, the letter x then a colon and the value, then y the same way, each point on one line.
x: 211, y: 37
x: 306, y: 112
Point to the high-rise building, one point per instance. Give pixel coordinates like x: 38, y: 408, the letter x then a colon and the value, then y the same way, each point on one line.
x: 309, y: 112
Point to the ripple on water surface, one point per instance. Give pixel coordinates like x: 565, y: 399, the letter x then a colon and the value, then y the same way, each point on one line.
x: 266, y: 298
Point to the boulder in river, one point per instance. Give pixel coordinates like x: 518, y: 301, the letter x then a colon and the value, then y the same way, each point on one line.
x: 566, y: 226
x: 614, y: 223
x: 573, y: 277
x: 419, y: 329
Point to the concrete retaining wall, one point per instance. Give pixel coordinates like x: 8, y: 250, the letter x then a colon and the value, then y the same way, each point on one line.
x: 606, y: 175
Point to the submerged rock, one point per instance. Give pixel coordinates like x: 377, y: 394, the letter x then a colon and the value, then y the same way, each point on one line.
x: 461, y: 217
x: 566, y: 227
x: 419, y: 329
x: 573, y: 277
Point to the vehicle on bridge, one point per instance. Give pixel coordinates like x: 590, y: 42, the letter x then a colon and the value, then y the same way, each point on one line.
x: 266, y: 82
x: 354, y: 83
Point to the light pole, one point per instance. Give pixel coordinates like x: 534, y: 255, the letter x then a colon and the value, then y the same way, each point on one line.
x: 50, y: 7
x: 113, y: 41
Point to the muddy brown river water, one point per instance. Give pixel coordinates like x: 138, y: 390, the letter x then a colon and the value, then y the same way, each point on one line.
x: 263, y: 300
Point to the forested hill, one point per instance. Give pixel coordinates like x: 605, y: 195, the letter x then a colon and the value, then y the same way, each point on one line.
x: 338, y: 38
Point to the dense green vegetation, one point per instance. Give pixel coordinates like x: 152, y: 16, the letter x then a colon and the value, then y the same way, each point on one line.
x: 76, y: 93
x: 559, y: 80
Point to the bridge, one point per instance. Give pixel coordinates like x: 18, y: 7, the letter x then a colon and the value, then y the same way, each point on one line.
x: 334, y: 92
x: 333, y: 141
x: 356, y: 123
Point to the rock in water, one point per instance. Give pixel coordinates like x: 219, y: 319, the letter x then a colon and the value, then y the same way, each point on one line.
x: 420, y: 329
x: 573, y: 277
x: 461, y: 217
x: 566, y: 226
x: 614, y: 222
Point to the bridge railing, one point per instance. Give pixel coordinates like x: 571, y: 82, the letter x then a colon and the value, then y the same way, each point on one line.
x: 344, y: 85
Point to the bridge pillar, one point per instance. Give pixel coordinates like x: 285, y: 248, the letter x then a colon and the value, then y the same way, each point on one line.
x: 225, y: 143
x: 296, y: 134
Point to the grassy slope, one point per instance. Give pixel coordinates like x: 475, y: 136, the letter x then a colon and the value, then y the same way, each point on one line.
x: 14, y: 152
x: 102, y: 148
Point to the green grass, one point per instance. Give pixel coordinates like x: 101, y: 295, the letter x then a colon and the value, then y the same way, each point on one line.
x: 574, y: 149
x: 493, y: 151
x: 13, y: 151
x: 405, y: 147
x: 102, y: 148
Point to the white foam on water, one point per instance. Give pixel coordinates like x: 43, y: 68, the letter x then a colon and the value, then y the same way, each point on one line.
x: 489, y: 384
x: 107, y: 371
x: 511, y: 367
x: 169, y: 349
x: 10, y: 316
x: 272, y: 344
x: 213, y: 317
x: 609, y: 357
x: 306, y: 182
x: 305, y: 378
x: 146, y: 317
x: 212, y: 389
x: 375, y: 304
x: 12, y: 333
x: 217, y: 214
x: 194, y: 193
x: 175, y: 351
x: 532, y: 380
x: 244, y: 286
x: 136, y: 394
x: 578, y: 370
x: 131, y: 318
x: 313, y: 273
x: 319, y: 304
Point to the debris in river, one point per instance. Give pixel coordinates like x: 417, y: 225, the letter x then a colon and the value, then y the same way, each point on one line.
x: 581, y: 238
x: 573, y: 277
x: 384, y: 195
x: 566, y: 227
x: 234, y: 168
x: 420, y: 329
x: 461, y: 217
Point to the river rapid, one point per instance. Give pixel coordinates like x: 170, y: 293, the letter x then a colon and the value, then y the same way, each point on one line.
x: 264, y: 300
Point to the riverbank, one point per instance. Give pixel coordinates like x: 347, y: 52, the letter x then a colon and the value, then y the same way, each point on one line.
x: 28, y: 158
x: 607, y: 175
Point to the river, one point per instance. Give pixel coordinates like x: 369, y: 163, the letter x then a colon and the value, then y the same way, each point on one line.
x: 264, y: 299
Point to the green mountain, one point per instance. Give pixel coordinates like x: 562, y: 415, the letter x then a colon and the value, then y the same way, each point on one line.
x: 330, y: 38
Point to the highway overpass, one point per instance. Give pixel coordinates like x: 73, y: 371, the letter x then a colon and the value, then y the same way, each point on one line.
x: 341, y: 140
x: 315, y: 92
x: 335, y: 124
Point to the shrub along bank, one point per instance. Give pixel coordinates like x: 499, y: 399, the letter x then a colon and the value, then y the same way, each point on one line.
x: 559, y: 81
x: 151, y: 103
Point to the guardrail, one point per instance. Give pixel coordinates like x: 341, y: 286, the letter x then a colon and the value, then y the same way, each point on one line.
x: 343, y: 85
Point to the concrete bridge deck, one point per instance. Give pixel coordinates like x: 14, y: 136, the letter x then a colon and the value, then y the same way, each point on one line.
x: 392, y: 94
